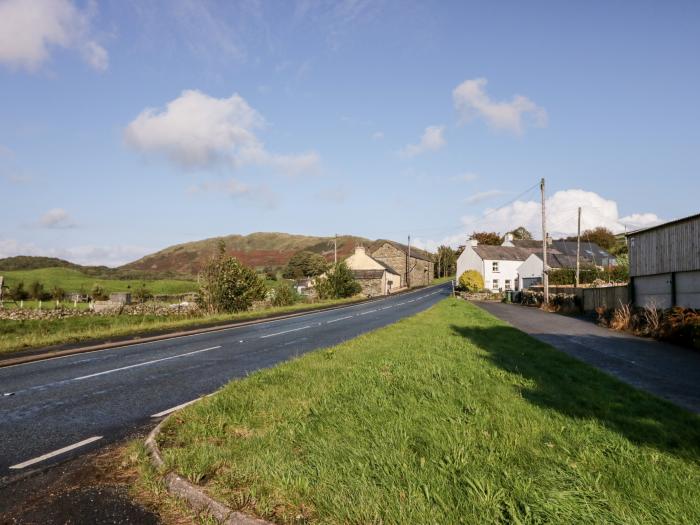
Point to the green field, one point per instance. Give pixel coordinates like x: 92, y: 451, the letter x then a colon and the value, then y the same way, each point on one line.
x: 451, y: 416
x: 75, y: 281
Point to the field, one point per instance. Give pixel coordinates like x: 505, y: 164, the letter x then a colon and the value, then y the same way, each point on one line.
x: 75, y: 281
x: 451, y: 416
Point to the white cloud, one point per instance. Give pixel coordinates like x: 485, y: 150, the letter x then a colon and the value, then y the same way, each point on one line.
x: 199, y: 131
x: 471, y: 100
x: 56, y: 218
x: 108, y: 255
x: 29, y: 29
x: 482, y: 196
x: 432, y: 140
x: 465, y: 177
x: 562, y: 210
x: 378, y: 135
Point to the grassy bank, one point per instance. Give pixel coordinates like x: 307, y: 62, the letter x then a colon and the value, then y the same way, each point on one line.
x: 75, y: 281
x: 448, y: 417
x: 23, y: 335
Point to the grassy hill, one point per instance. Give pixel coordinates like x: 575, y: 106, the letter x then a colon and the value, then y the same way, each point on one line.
x: 257, y: 250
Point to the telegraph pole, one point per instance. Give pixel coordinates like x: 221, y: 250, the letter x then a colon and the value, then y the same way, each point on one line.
x: 578, y: 247
x: 335, y: 249
x: 408, y: 264
x: 545, y: 276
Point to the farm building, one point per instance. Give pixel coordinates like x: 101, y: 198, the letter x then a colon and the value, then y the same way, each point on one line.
x: 396, y: 256
x: 665, y: 264
x: 375, y: 277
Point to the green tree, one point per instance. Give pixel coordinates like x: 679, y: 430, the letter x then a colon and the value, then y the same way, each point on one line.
x: 58, y: 293
x: 18, y: 293
x: 521, y: 233
x: 142, y: 294
x: 226, y: 285
x: 305, y: 264
x: 285, y: 295
x: 98, y: 293
x: 471, y: 281
x: 445, y: 261
x: 337, y: 282
x: 491, y: 238
x: 37, y: 292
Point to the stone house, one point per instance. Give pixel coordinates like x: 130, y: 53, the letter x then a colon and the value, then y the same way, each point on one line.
x: 375, y: 277
x: 415, y: 270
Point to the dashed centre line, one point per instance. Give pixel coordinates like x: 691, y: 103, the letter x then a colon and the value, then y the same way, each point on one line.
x: 340, y: 319
x: 285, y: 332
x: 55, y: 453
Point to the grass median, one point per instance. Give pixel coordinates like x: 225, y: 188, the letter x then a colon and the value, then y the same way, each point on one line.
x: 451, y: 416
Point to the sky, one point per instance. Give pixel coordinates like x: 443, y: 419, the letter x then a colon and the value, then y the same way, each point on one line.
x: 130, y: 125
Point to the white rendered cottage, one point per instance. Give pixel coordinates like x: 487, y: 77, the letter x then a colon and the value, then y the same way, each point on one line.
x: 498, y: 265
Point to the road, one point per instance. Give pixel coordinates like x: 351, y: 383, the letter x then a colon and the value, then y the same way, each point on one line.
x: 668, y: 371
x: 55, y: 409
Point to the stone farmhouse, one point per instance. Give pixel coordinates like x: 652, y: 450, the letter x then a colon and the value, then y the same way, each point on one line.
x: 375, y: 277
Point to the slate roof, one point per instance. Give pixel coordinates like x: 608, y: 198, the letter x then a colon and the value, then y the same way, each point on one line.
x: 589, y: 250
x: 502, y: 253
x: 529, y: 243
x: 415, y: 252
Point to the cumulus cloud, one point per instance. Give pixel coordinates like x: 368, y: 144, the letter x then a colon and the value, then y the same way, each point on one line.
x: 30, y: 29
x: 56, y: 218
x: 432, y: 140
x: 472, y: 101
x: 378, y: 135
x: 197, y: 131
x: 562, y: 210
x: 89, y: 254
x: 482, y: 196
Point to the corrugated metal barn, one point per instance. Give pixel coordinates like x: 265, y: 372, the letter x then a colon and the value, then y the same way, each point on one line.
x: 665, y: 264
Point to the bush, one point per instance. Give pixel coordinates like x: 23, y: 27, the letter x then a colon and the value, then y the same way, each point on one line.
x: 471, y: 281
x: 18, y: 293
x: 36, y: 291
x: 226, y: 285
x: 98, y: 293
x: 284, y: 295
x: 305, y: 264
x: 58, y: 293
x: 588, y: 275
x: 142, y: 294
x: 338, y: 282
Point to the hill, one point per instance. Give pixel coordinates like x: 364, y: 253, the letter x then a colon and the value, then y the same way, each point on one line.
x: 257, y: 249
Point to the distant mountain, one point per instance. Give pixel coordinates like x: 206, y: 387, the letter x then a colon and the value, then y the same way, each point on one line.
x: 257, y: 249
x: 31, y: 262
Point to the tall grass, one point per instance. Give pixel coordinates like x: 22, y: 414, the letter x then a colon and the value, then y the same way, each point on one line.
x: 448, y: 417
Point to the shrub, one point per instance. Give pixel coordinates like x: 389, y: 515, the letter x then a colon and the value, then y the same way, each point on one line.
x: 98, y: 293
x: 226, y: 285
x: 285, y: 295
x: 18, y: 293
x: 305, y: 264
x: 471, y: 281
x: 142, y: 294
x: 338, y: 282
x: 36, y: 290
x: 58, y: 293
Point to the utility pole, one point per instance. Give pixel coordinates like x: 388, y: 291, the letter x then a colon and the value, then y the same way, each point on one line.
x: 408, y: 264
x: 545, y: 276
x: 578, y: 247
x: 335, y: 249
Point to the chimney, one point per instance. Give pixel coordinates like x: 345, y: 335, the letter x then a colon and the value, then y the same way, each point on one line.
x: 509, y: 237
x: 549, y: 240
x: 473, y: 242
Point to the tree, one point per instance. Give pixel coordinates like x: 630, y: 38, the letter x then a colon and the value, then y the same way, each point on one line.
x: 37, y: 292
x: 142, y: 294
x: 521, y: 234
x: 305, y: 264
x: 226, y: 285
x: 491, y: 238
x: 471, y: 281
x: 445, y: 261
x: 270, y: 273
x: 284, y: 295
x: 58, y: 293
x: 601, y: 236
x: 337, y: 282
x: 98, y: 293
x: 18, y: 293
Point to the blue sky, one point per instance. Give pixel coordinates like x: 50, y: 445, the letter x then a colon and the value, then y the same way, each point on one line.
x: 127, y: 126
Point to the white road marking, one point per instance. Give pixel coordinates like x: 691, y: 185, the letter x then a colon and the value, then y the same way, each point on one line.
x: 340, y: 319
x: 367, y: 312
x: 55, y: 453
x: 285, y: 332
x: 143, y: 364
x: 178, y: 407
x: 387, y: 307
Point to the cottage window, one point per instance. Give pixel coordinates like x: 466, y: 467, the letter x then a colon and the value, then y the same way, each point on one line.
x: 508, y: 284
x: 494, y: 286
x: 494, y: 266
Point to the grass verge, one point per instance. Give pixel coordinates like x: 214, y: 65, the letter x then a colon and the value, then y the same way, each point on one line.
x: 451, y: 416
x: 23, y: 335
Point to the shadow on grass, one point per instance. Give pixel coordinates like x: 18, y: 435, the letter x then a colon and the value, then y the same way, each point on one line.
x: 579, y: 391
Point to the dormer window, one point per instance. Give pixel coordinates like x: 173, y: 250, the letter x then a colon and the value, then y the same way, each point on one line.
x: 494, y: 266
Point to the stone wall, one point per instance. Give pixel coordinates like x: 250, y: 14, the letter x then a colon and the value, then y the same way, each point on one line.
x: 371, y: 287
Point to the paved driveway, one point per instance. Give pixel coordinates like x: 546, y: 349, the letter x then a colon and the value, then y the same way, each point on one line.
x: 666, y: 370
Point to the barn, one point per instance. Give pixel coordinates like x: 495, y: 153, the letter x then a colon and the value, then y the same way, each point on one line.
x: 665, y: 264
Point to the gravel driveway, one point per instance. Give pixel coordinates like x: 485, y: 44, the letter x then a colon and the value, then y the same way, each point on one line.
x: 666, y: 370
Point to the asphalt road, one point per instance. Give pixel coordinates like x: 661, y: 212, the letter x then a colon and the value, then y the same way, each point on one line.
x: 58, y: 408
x: 666, y: 370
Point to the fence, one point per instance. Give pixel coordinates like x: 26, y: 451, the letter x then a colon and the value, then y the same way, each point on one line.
x: 592, y: 298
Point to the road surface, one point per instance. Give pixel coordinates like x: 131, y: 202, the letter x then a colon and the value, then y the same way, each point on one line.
x: 668, y: 371
x: 58, y: 408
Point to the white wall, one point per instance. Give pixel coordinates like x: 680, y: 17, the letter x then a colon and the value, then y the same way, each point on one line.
x: 507, y: 270
x: 469, y: 260
x: 530, y: 268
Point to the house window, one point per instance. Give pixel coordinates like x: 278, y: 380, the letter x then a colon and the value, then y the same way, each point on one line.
x: 508, y: 284
x: 494, y: 266
x: 494, y: 286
